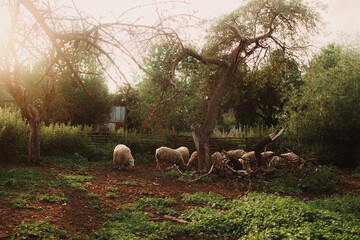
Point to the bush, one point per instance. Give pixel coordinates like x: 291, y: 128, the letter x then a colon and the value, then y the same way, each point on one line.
x: 319, y: 180
x: 14, y: 134
x: 60, y: 139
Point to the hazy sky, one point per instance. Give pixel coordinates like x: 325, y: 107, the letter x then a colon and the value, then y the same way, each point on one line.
x: 342, y: 16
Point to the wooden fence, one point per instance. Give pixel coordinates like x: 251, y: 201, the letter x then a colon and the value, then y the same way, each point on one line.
x: 216, y: 143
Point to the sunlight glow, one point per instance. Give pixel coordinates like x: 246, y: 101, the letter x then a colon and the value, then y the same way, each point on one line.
x: 4, y: 26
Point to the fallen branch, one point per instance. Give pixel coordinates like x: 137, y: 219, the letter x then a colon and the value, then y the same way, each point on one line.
x: 175, y: 219
x: 197, y: 179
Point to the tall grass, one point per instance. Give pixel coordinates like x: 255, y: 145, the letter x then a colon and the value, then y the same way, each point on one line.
x: 14, y: 134
x: 55, y: 139
x: 59, y: 138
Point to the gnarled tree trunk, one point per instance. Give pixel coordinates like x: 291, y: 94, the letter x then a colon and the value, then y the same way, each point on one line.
x: 34, y: 141
x: 201, y: 134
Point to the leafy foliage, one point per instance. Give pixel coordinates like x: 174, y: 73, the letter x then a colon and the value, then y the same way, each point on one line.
x: 259, y: 98
x: 72, y: 103
x: 209, y: 199
x: 14, y: 134
x: 134, y: 225
x: 327, y: 109
x: 38, y: 230
x: 267, y: 216
x: 161, y: 205
x: 180, y: 112
x: 310, y: 179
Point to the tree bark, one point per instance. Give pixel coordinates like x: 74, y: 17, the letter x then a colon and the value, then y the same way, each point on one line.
x: 201, y: 134
x: 34, y: 142
x: 201, y: 141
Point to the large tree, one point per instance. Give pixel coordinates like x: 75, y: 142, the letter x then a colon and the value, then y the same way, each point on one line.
x: 247, y: 35
x: 45, y: 28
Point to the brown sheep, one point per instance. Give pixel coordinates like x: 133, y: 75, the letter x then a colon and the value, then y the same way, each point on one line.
x: 184, y: 151
x: 168, y: 156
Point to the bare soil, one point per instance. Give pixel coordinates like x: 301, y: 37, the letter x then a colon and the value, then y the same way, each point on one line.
x: 77, y: 216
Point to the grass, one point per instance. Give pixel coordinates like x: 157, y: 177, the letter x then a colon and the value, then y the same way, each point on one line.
x: 129, y: 183
x: 269, y: 216
x: 208, y: 215
x: 159, y: 205
x: 22, y: 185
x: 188, y: 176
x: 38, y: 230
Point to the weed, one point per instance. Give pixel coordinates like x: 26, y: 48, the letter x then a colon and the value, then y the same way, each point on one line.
x: 76, y: 181
x: 38, y: 230
x: 135, y: 225
x: 91, y: 195
x: 161, y: 205
x: 268, y: 216
x: 96, y: 204
x: 318, y: 180
x: 52, y: 198
x: 130, y: 183
x: 111, y: 189
x: 209, y: 199
x: 19, y: 202
x: 111, y: 195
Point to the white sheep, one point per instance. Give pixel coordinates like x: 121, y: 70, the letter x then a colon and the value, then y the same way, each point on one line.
x: 166, y: 156
x: 193, y: 161
x: 216, y: 159
x: 122, y: 157
x: 184, y: 151
x: 238, y: 153
x: 289, y: 158
x: 248, y: 160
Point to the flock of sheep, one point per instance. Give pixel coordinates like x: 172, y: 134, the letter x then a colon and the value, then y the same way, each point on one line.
x: 240, y: 159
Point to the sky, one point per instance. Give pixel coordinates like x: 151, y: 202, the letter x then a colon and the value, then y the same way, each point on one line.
x: 342, y: 17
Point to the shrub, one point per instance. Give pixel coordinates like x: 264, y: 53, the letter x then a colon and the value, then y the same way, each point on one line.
x: 60, y: 139
x: 319, y: 180
x: 309, y: 179
x: 14, y: 134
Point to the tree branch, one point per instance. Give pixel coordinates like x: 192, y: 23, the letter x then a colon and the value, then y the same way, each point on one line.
x: 204, y: 60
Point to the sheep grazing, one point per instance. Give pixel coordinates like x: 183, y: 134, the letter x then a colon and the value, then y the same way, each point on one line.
x: 238, y: 153
x: 122, y: 157
x: 289, y: 158
x: 193, y: 161
x: 184, y: 151
x: 248, y: 160
x: 168, y: 156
